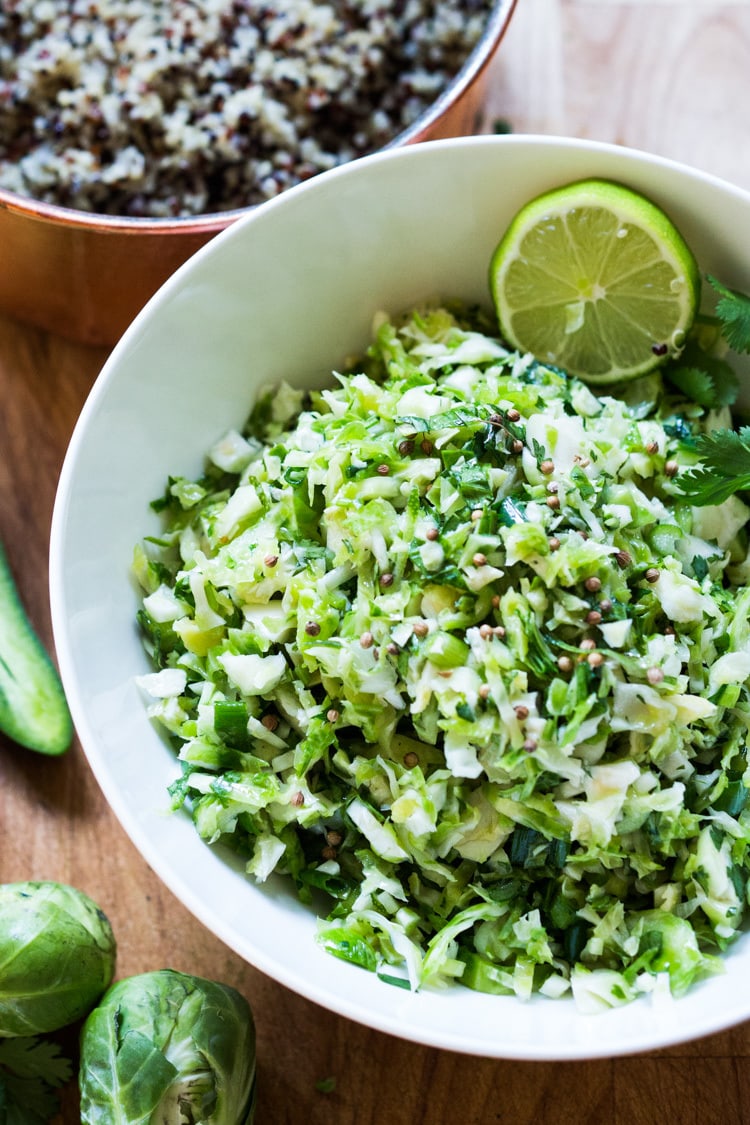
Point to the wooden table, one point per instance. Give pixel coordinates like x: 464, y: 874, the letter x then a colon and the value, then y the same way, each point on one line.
x: 669, y: 77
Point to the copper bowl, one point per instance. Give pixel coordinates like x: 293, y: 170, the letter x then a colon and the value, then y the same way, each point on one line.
x: 85, y: 276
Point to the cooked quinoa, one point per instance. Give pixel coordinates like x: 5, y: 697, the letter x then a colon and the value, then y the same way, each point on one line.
x: 184, y: 107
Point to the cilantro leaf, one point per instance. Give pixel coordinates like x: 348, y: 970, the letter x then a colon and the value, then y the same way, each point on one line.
x: 26, y: 1101
x: 703, y: 378
x: 695, y: 384
x: 31, y: 1070
x: 35, y: 1058
x: 724, y: 468
x: 733, y: 310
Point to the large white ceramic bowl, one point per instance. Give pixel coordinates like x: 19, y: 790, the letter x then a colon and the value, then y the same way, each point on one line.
x: 289, y: 292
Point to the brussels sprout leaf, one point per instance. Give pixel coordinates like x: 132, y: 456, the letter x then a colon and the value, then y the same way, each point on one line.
x: 126, y: 1080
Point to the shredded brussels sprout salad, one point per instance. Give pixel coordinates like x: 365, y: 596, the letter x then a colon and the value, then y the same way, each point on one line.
x: 447, y: 644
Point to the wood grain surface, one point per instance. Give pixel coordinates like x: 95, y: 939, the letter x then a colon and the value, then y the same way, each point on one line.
x: 669, y: 77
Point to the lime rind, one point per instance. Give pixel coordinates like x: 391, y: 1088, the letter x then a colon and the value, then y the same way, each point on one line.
x: 595, y: 278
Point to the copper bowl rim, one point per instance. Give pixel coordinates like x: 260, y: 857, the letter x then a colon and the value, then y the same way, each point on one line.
x: 474, y: 64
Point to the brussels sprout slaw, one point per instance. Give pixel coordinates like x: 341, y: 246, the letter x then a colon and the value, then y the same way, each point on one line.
x: 445, y: 644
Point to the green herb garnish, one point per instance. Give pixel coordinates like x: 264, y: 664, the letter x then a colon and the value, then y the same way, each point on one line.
x: 733, y: 310
x: 724, y: 454
x: 724, y: 469
x: 31, y: 1071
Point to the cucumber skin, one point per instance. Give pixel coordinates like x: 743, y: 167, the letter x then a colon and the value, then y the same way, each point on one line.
x: 33, y: 709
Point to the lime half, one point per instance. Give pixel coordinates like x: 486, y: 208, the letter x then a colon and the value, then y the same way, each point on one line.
x: 594, y: 278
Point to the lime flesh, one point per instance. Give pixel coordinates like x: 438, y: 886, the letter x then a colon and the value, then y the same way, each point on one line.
x: 594, y: 278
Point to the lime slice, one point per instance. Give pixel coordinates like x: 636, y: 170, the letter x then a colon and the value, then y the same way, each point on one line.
x: 594, y: 278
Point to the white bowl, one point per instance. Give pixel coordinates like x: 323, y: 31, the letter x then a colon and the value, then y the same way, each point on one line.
x: 289, y: 292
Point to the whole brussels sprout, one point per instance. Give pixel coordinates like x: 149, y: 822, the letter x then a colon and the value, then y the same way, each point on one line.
x: 166, y: 1048
x: 57, y: 956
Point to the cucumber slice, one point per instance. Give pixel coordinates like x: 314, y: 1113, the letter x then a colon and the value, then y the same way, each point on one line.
x: 33, y: 709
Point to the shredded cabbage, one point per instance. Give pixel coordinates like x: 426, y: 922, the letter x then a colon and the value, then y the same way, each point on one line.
x: 443, y: 644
